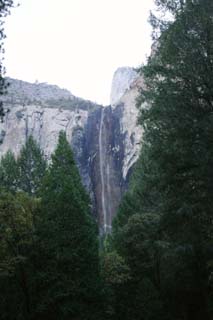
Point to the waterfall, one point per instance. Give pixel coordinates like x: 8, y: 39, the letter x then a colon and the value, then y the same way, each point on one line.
x: 109, y: 226
x: 101, y: 160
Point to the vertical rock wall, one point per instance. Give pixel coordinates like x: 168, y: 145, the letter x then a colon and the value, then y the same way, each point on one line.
x: 105, y: 140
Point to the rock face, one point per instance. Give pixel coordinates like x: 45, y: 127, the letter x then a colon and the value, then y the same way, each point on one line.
x: 42, y: 123
x: 122, y: 79
x: 105, y: 140
x: 126, y: 84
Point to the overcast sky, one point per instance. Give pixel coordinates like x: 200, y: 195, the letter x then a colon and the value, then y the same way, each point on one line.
x: 77, y: 44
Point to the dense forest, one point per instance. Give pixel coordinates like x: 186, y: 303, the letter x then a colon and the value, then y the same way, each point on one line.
x: 157, y: 263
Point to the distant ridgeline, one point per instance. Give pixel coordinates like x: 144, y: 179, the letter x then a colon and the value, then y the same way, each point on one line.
x: 105, y: 140
x: 45, y: 95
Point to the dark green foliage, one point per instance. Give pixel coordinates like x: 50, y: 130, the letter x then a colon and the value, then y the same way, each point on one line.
x: 18, y: 215
x: 25, y: 173
x: 163, y: 228
x: 49, y: 262
x: 69, y: 242
x: 9, y: 172
x: 157, y: 263
x: 115, y: 275
x: 5, y: 6
x: 138, y: 242
x: 31, y: 166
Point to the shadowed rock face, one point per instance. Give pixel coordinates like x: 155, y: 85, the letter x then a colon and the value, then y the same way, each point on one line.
x: 105, y: 140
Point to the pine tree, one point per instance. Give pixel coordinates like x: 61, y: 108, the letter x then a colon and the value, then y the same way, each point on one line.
x: 32, y: 167
x: 9, y: 172
x: 178, y: 133
x: 174, y: 175
x: 69, y: 241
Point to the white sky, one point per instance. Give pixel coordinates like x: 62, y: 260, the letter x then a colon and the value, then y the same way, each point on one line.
x: 77, y: 44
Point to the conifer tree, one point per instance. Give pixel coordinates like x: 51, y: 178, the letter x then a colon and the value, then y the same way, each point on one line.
x: 9, y: 172
x: 18, y: 214
x: 69, y: 242
x: 174, y: 175
x: 178, y: 127
x: 31, y: 166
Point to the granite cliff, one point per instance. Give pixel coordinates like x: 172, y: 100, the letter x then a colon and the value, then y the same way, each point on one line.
x: 105, y: 140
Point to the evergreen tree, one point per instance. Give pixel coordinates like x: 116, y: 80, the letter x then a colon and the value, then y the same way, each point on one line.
x: 138, y: 241
x: 69, y: 242
x: 32, y: 167
x: 115, y: 275
x: 173, y: 181
x: 178, y: 125
x: 9, y: 172
x: 18, y: 214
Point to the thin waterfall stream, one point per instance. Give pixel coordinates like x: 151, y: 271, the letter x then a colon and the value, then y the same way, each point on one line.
x: 101, y: 159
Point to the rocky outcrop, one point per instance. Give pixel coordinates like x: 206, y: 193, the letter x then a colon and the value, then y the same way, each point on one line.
x: 44, y: 124
x: 121, y: 82
x: 129, y: 84
x: 105, y: 140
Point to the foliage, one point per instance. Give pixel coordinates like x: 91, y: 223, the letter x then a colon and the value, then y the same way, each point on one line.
x: 157, y: 263
x: 32, y: 166
x: 115, y: 276
x: 69, y: 242
x: 114, y: 269
x: 139, y: 242
x: 9, y: 172
x: 163, y: 228
x: 49, y: 261
x: 18, y: 215
x: 5, y: 6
